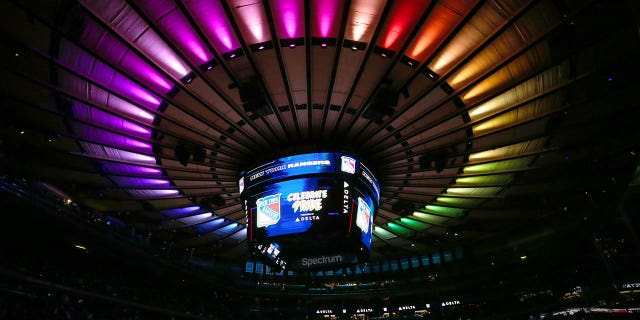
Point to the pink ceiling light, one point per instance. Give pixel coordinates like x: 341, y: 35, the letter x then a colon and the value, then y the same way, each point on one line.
x: 173, y: 23
x: 252, y: 20
x: 325, y: 12
x: 211, y: 18
x: 289, y: 18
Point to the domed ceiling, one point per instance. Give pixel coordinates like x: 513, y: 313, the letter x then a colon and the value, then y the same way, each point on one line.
x: 477, y: 117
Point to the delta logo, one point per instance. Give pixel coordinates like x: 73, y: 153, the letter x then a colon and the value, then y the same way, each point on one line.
x: 348, y: 164
x: 268, y: 210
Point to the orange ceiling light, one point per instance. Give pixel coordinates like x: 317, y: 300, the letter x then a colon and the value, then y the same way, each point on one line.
x: 445, y: 17
x: 402, y: 19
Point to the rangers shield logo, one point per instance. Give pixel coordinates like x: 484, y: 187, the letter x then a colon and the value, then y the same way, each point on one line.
x: 363, y: 218
x: 268, y: 210
x: 348, y: 164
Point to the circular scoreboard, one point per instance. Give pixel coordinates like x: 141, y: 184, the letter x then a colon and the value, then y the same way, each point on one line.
x: 310, y: 211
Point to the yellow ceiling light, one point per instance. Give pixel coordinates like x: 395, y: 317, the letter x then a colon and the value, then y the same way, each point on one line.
x: 513, y: 164
x: 473, y: 191
x: 494, y: 179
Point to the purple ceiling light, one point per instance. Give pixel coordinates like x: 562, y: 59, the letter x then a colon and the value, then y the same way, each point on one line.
x: 116, y: 154
x: 126, y: 169
x: 107, y: 47
x: 141, y: 182
x: 181, y: 212
x: 153, y: 193
x: 111, y: 139
x: 87, y: 65
x: 196, y: 218
x: 107, y: 120
x: 124, y: 107
x: 126, y: 21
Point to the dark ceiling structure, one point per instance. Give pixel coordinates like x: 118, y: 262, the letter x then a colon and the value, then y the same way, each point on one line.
x: 477, y: 117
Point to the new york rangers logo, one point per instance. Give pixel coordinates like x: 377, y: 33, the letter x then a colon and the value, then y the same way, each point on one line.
x: 363, y: 218
x: 348, y: 164
x: 241, y: 184
x: 268, y: 210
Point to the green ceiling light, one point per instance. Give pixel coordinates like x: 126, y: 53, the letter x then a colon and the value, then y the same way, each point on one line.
x: 429, y: 218
x: 414, y: 224
x: 461, y: 202
x: 519, y: 163
x: 494, y: 179
x: 399, y: 230
x: 445, y: 211
x: 383, y: 234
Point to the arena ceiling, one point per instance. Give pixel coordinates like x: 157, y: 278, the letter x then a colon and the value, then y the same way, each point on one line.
x: 476, y: 116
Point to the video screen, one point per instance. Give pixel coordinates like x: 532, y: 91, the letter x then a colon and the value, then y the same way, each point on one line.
x: 310, y: 204
x: 292, y: 206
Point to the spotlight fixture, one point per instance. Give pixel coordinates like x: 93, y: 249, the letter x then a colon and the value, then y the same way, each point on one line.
x: 261, y: 46
x: 430, y: 74
x: 323, y: 42
x: 408, y: 61
x: 173, y: 92
x: 292, y: 42
x: 354, y: 45
x: 207, y: 66
x: 384, y: 53
x: 188, y: 78
x: 232, y: 54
